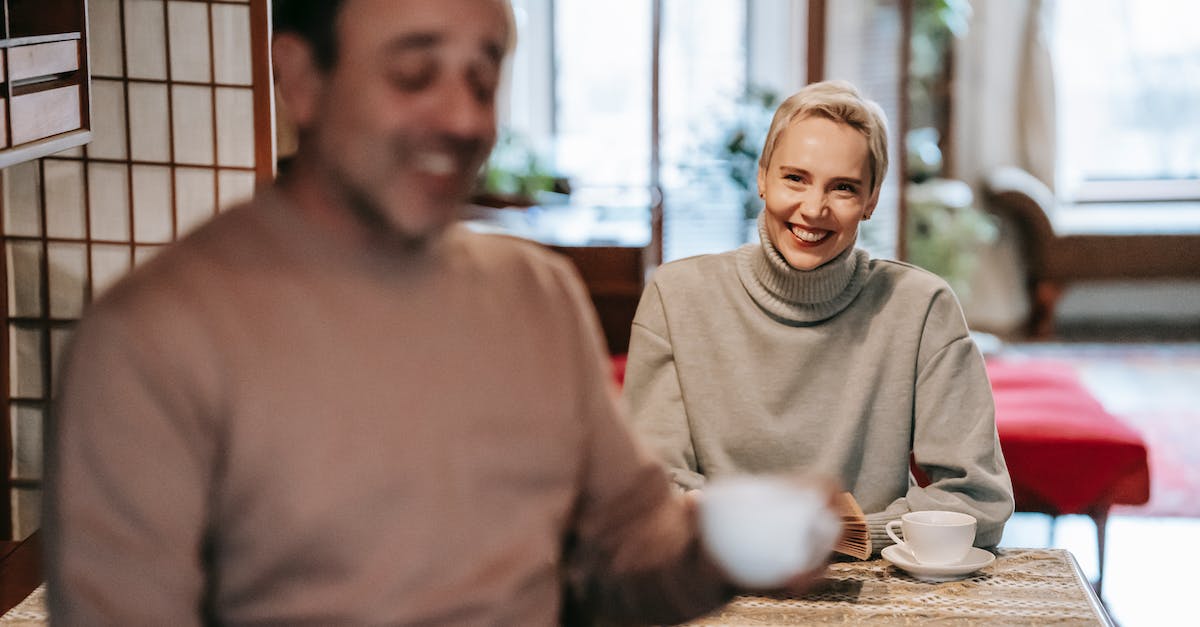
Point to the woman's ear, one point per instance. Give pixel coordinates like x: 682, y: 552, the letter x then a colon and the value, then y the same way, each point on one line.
x: 871, y: 202
x: 762, y: 182
x: 297, y: 78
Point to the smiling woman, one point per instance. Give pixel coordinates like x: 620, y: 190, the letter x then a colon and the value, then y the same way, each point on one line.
x: 820, y: 172
x: 815, y: 190
x: 802, y: 353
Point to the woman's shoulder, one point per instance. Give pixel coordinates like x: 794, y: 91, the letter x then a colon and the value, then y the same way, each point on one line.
x: 696, y: 269
x: 900, y: 275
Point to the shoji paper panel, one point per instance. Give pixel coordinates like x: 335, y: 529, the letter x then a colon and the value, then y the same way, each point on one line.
x: 109, y: 263
x: 236, y: 186
x: 65, y: 203
x: 22, y: 199
x: 27, y: 442
x: 108, y: 196
x: 24, y: 279
x: 27, y: 505
x: 235, y: 127
x: 194, y: 197
x: 108, y: 120
x: 25, y: 365
x: 59, y: 338
x: 104, y: 37
x: 67, y: 276
x: 231, y: 44
x: 150, y: 136
x: 193, y: 124
x: 152, y: 204
x: 145, y: 39
x: 188, y: 29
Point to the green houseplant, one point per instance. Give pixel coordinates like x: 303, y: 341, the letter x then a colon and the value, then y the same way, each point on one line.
x: 944, y: 230
x: 740, y: 140
x: 515, y: 175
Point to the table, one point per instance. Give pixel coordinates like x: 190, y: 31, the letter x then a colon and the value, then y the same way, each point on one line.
x: 1022, y: 587
x: 22, y: 598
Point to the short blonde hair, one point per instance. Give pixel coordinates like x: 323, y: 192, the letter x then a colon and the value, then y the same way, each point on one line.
x: 841, y: 102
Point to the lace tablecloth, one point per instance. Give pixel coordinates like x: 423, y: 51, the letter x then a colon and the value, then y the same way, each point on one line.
x: 1022, y: 587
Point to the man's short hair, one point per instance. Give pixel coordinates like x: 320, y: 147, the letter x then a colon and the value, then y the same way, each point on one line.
x: 314, y: 21
x: 841, y: 102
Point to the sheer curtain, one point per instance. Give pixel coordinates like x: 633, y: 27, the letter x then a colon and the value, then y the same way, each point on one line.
x: 1036, y: 107
x: 1004, y: 115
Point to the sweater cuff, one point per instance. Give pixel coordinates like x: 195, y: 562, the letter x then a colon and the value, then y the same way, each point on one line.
x: 879, y: 537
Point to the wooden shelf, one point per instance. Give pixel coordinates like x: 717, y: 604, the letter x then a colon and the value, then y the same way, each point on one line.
x: 44, y: 79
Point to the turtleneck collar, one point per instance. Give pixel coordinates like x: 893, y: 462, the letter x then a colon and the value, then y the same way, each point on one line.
x: 799, y: 296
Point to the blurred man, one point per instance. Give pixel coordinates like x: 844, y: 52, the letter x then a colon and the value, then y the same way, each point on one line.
x: 333, y: 406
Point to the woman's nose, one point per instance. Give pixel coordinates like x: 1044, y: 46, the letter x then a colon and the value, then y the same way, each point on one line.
x: 813, y: 203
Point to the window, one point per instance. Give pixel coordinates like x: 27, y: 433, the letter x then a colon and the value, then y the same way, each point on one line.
x: 581, y: 91
x: 1127, y: 77
x: 703, y: 61
x: 602, y: 91
x: 595, y: 126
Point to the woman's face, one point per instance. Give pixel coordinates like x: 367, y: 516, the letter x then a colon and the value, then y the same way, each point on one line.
x: 817, y: 190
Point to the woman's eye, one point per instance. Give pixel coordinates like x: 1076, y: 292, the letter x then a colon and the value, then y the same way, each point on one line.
x: 796, y: 178
x: 846, y: 187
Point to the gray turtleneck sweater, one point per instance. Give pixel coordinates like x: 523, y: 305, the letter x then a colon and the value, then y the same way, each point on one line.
x: 739, y: 363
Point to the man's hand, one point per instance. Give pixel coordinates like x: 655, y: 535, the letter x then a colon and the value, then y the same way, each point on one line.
x: 770, y: 532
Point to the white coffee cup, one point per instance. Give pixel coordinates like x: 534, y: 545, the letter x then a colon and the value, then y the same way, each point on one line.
x: 763, y: 531
x: 935, y: 537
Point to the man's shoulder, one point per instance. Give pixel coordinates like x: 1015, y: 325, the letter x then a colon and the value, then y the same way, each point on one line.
x: 185, y: 265
x: 507, y: 255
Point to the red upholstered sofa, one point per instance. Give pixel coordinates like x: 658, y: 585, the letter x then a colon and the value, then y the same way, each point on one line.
x: 1066, y: 454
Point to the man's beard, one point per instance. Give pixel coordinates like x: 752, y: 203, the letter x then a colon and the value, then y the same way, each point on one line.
x: 378, y: 222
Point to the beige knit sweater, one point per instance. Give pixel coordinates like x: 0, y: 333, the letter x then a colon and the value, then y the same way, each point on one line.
x: 263, y: 426
x: 739, y: 363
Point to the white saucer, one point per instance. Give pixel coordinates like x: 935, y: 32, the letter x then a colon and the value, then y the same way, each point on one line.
x: 976, y: 558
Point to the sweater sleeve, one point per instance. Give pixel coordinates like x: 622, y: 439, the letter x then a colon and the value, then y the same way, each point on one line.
x: 634, y: 554
x: 127, y: 476
x: 954, y: 431
x: 653, y: 394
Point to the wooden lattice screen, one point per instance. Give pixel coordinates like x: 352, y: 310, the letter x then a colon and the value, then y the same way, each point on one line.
x: 181, y: 112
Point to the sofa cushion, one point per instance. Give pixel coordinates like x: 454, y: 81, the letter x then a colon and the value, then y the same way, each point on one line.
x: 1066, y: 454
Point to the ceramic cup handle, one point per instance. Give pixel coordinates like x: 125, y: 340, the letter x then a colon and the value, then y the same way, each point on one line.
x: 892, y: 534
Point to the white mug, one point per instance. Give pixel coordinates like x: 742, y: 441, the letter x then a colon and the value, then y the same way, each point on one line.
x: 935, y: 537
x: 764, y: 531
